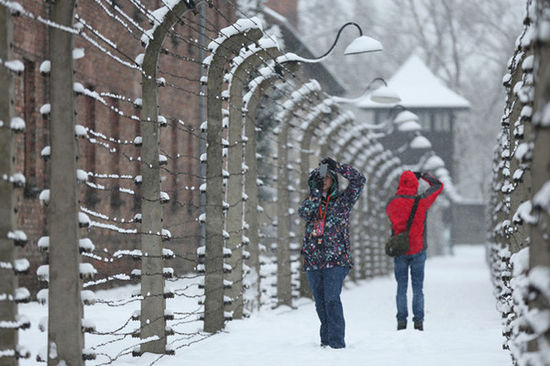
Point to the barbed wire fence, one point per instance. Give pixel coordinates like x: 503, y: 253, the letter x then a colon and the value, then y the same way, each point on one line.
x: 124, y: 200
x: 518, y: 254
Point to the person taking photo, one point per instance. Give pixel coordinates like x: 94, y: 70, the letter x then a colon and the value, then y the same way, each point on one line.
x: 326, y: 244
x: 398, y: 210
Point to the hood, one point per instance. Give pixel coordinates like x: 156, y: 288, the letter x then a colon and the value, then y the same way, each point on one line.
x: 408, y: 184
x: 313, y: 177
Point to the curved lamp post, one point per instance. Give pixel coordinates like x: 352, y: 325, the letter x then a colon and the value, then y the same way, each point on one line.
x: 361, y: 44
x: 382, y: 94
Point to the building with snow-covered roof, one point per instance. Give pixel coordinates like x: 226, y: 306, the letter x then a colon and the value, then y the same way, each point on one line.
x: 437, y: 106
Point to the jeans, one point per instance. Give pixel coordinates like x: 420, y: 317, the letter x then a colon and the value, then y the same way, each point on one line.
x: 326, y: 286
x: 401, y: 268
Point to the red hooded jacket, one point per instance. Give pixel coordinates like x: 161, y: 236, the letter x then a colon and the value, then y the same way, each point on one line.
x: 399, y: 208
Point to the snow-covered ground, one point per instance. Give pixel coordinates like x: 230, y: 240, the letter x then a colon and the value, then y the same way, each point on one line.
x: 462, y: 326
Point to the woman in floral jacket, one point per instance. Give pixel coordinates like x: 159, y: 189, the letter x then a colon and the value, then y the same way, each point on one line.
x: 326, y: 246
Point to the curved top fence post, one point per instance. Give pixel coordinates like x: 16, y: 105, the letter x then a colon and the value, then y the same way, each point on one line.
x: 346, y: 119
x: 296, y: 101
x: 243, y: 33
x: 153, y: 305
x: 243, y: 65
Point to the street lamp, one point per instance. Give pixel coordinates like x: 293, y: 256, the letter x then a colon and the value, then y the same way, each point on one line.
x: 361, y: 44
x: 434, y: 162
x: 383, y: 94
x: 420, y: 142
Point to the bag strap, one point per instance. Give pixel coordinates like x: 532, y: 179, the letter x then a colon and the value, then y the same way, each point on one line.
x: 413, y: 212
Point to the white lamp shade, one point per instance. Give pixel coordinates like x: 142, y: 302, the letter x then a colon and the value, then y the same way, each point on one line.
x: 420, y: 142
x: 409, y: 126
x: 405, y: 116
x: 434, y: 162
x: 385, y: 95
x: 363, y: 44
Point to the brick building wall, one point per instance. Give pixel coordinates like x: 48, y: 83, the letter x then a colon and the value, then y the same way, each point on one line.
x: 287, y: 8
x: 97, y: 155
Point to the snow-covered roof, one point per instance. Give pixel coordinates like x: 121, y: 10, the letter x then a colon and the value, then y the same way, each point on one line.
x: 418, y: 87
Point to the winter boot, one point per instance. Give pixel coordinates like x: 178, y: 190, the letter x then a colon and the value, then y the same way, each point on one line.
x: 401, y: 325
x: 419, y: 325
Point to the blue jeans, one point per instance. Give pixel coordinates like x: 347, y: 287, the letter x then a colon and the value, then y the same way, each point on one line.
x: 401, y: 268
x: 326, y: 286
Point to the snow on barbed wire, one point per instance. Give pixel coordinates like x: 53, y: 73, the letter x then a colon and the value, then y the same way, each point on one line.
x: 14, y: 66
x: 86, y: 245
x: 18, y: 180
x: 157, y: 17
x: 17, y: 124
x: 240, y: 26
x: 78, y: 53
x: 296, y: 96
x: 80, y: 131
x: 87, y: 270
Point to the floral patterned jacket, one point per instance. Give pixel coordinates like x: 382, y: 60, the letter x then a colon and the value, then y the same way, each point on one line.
x: 333, y: 249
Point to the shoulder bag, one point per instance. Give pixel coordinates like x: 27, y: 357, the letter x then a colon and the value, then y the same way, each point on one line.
x: 399, y: 244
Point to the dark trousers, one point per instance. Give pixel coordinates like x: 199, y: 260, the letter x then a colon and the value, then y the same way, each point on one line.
x: 416, y: 264
x: 326, y: 286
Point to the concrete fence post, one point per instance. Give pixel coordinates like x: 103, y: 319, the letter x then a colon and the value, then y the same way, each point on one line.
x: 153, y: 305
x: 246, y: 63
x: 8, y: 284
x: 250, y: 106
x: 65, y: 338
x: 539, y: 252
x: 222, y: 49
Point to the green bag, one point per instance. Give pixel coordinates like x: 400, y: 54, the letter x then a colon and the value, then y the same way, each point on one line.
x: 399, y: 244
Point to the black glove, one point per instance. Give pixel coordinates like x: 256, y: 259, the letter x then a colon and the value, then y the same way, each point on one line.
x: 332, y: 164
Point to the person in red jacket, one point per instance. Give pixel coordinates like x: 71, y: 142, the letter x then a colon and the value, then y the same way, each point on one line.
x: 398, y: 210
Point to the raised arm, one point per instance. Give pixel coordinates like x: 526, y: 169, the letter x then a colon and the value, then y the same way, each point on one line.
x: 435, y: 188
x: 356, y: 182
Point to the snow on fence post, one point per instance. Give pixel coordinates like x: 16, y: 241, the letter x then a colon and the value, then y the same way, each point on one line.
x: 65, y: 338
x: 335, y: 126
x: 153, y: 304
x: 252, y: 99
x: 297, y: 100
x: 250, y: 106
x: 248, y: 61
x: 241, y: 34
x: 512, y: 190
x: 9, y: 350
x: 539, y: 258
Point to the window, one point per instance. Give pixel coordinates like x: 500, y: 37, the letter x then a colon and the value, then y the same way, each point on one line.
x: 442, y: 121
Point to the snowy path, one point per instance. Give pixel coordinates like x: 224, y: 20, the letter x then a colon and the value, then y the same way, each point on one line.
x: 462, y: 327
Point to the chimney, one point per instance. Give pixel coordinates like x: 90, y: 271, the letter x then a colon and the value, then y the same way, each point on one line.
x: 287, y: 8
